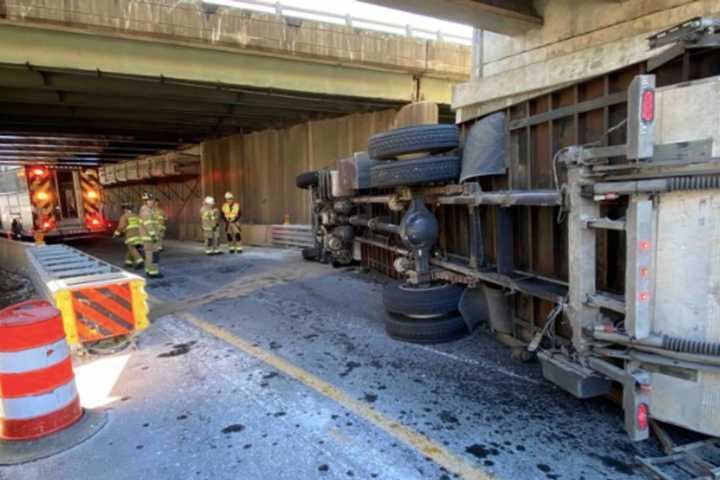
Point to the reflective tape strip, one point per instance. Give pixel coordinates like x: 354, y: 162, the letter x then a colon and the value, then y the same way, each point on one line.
x: 37, y: 382
x: 113, y: 309
x: 39, y: 405
x: 34, y: 358
x: 41, y: 426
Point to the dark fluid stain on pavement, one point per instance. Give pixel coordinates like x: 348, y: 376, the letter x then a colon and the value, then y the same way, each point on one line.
x: 159, y: 284
x: 234, y: 428
x: 270, y: 375
x: 479, y: 451
x: 178, y: 349
x: 280, y: 414
x: 370, y: 397
x: 547, y: 470
x: 349, y: 367
x: 448, y: 417
x: 617, y: 465
x: 228, y: 269
x: 275, y: 346
x: 324, y: 467
x: 181, y: 417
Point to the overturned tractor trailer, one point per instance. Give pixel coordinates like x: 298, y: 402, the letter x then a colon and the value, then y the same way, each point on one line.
x: 56, y: 201
x: 582, y: 226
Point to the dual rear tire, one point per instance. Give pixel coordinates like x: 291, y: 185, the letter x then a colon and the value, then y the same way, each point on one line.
x: 424, y: 315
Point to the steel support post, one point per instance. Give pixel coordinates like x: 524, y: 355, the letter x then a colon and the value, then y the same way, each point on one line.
x: 581, y: 255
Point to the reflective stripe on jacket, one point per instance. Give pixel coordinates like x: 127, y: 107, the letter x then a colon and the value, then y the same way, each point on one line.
x: 129, y: 225
x: 150, y: 224
x: 231, y: 212
x: 210, y: 218
x: 162, y: 219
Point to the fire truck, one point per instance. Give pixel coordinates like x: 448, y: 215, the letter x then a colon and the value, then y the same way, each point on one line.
x: 55, y: 201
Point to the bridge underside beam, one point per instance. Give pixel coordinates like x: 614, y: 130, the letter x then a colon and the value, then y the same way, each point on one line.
x: 87, y: 97
x: 509, y: 17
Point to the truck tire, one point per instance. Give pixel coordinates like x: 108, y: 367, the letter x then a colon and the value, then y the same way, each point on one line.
x: 310, y: 253
x: 427, y: 331
x: 432, y: 169
x: 415, y: 139
x: 307, y: 179
x: 427, y: 302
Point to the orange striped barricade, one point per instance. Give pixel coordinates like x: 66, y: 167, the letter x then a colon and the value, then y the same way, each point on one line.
x: 38, y: 396
x: 37, y: 383
x: 98, y: 301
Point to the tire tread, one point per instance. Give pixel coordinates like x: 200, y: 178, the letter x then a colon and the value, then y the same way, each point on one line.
x: 414, y: 139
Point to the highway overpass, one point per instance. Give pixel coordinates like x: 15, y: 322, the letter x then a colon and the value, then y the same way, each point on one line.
x: 135, y: 76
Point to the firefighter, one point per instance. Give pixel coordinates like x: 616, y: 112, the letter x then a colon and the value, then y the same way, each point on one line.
x: 233, y: 230
x: 210, y: 217
x: 150, y: 232
x: 129, y: 225
x: 162, y: 226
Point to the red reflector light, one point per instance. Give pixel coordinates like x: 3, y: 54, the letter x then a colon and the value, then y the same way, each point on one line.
x: 39, y: 172
x: 644, y: 296
x: 47, y: 226
x: 648, y: 106
x: 642, y: 416
x: 644, y: 272
x: 95, y: 222
x: 645, y: 245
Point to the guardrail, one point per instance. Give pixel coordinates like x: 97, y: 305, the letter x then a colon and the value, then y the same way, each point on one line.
x: 407, y: 30
x: 290, y: 15
x: 291, y: 236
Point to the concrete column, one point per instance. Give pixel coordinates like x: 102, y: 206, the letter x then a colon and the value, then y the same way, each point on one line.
x: 476, y: 72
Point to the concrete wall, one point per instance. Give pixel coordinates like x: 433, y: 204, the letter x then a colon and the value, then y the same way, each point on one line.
x: 578, y: 40
x: 570, y: 25
x: 188, y: 21
x: 12, y: 255
x: 260, y: 168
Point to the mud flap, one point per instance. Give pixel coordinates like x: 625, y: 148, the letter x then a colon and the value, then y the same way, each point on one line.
x: 485, y: 148
x: 473, y: 307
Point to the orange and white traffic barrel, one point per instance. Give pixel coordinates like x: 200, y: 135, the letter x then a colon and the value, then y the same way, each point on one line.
x: 37, y: 385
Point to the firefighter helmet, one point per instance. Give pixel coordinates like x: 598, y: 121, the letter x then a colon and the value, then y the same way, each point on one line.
x: 210, y: 201
x: 229, y: 196
x: 147, y: 196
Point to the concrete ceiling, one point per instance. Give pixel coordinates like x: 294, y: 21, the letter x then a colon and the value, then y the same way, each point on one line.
x: 80, y: 117
x: 509, y: 17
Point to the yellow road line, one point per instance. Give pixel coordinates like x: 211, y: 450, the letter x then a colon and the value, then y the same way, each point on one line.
x: 421, y: 443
